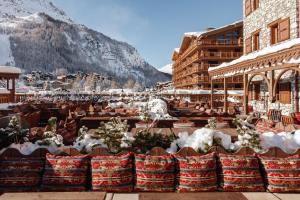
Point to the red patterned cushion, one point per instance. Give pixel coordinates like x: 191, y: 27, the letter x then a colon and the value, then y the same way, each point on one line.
x: 20, y: 174
x: 112, y: 173
x: 65, y: 173
x: 240, y: 173
x: 197, y: 173
x: 155, y: 173
x: 282, y: 174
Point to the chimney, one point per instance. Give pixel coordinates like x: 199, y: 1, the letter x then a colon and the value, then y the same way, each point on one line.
x: 210, y: 28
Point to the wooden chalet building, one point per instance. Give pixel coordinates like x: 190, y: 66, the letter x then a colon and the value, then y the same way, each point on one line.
x: 270, y: 64
x: 200, y: 50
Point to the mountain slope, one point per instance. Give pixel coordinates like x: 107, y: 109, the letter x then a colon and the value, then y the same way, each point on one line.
x: 41, y: 42
x: 23, y: 8
x: 166, y: 69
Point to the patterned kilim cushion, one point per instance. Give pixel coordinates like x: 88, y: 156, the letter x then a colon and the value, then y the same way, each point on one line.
x: 20, y: 174
x: 282, y: 174
x: 240, y: 173
x: 155, y: 173
x: 197, y: 173
x: 65, y: 173
x: 112, y: 173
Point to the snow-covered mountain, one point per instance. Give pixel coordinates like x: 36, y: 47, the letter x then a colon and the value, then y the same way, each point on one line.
x: 166, y: 69
x: 36, y: 35
x: 23, y: 8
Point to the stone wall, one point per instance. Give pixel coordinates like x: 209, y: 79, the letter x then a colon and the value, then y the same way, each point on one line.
x: 268, y: 12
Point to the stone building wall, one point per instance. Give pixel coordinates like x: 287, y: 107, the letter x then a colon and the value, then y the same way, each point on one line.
x: 268, y: 12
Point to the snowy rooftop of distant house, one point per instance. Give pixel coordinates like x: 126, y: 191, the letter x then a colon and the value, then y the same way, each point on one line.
x: 9, y: 70
x: 197, y: 92
x: 262, y: 52
x: 198, y: 34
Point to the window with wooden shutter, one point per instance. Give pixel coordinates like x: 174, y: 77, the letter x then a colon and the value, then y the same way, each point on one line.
x: 255, y: 37
x: 247, y: 7
x: 248, y: 45
x: 284, y: 29
x: 255, y: 4
x: 284, y: 93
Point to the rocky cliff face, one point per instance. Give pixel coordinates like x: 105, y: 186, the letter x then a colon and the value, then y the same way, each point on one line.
x: 47, y: 41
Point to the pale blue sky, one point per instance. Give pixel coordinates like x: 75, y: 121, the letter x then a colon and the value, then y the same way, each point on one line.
x: 153, y: 27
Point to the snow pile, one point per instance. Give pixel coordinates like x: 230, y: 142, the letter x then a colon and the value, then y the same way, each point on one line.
x: 288, y: 142
x: 158, y: 109
x: 202, y: 139
x: 87, y: 143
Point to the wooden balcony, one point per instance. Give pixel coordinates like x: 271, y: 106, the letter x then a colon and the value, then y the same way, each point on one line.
x: 235, y: 79
x: 220, y: 55
x: 238, y: 43
x: 221, y: 43
x: 200, y: 79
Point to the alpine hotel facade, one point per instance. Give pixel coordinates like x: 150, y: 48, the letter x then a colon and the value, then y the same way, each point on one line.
x: 270, y: 63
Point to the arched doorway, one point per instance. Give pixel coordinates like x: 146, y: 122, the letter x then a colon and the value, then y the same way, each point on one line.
x: 257, y: 90
x: 286, y: 91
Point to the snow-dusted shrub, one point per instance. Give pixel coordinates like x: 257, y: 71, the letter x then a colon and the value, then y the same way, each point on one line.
x: 112, y: 135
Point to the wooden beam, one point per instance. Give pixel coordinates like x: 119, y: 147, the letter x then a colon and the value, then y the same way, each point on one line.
x: 296, y: 91
x: 272, y: 85
x: 277, y: 67
x: 245, y: 94
x: 13, y: 91
x: 211, y: 94
x: 225, y: 96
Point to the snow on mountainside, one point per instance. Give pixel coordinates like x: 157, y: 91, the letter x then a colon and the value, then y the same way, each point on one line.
x: 23, y: 8
x: 49, y: 40
x: 166, y: 69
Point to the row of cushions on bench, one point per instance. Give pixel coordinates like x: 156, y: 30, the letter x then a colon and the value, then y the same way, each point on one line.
x: 152, y: 173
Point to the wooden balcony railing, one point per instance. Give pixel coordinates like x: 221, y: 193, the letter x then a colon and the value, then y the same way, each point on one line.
x: 221, y: 55
x: 225, y: 42
x: 4, y: 98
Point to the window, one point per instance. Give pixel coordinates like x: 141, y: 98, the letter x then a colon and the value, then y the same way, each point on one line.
x: 247, y: 7
x: 255, y: 41
x: 255, y: 4
x: 284, y: 95
x: 280, y: 30
x: 274, y: 34
x: 250, y: 6
x: 248, y: 45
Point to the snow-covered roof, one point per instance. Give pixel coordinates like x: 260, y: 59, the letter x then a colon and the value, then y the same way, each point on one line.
x: 9, y: 70
x: 262, y: 52
x: 195, y: 92
x: 200, y: 33
x: 196, y: 34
